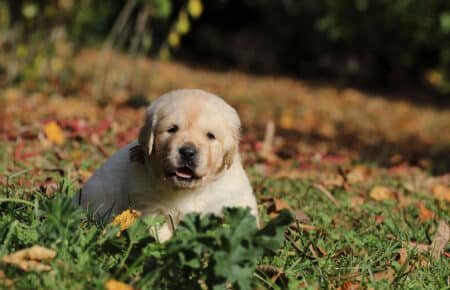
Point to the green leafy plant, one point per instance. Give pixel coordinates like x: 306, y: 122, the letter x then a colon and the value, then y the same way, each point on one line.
x: 216, y: 252
x: 205, y: 250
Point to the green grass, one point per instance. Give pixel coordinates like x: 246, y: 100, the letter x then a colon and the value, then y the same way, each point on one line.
x: 356, y: 246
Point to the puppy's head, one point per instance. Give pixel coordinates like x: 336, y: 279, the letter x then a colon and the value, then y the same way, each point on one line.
x: 190, y: 137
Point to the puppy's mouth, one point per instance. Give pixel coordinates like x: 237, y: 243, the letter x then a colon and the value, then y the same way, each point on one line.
x: 185, y: 174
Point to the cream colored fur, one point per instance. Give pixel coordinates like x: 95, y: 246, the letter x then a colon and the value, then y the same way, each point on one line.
x: 146, y: 186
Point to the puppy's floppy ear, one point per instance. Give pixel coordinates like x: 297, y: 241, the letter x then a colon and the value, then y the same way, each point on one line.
x: 236, y: 133
x: 228, y: 157
x: 146, y: 137
x: 147, y: 132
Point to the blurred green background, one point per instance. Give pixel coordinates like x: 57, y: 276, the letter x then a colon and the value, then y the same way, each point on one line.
x: 382, y: 44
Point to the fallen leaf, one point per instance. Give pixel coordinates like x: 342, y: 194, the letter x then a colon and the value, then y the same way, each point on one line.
x: 402, y: 256
x: 322, y: 251
x: 126, y: 219
x: 54, y: 133
x: 419, y: 247
x: 333, y: 180
x: 301, y: 217
x: 379, y: 219
x: 441, y: 192
x: 350, y: 285
x: 342, y: 251
x: 358, y: 174
x: 440, y: 240
x: 356, y: 201
x: 304, y: 227
x: 381, y: 193
x: 281, y: 204
x: 388, y: 275
x: 424, y: 213
x: 313, y: 252
x: 287, y: 119
x: 276, y: 274
x: 30, y: 259
x: 112, y: 284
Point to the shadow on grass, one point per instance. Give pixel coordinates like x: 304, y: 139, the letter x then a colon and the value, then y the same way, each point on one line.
x: 434, y: 157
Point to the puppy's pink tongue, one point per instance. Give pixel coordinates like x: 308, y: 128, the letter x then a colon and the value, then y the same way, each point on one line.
x: 184, y: 172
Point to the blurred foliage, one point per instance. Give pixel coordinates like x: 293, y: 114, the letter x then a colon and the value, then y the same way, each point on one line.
x: 37, y: 38
x: 368, y: 42
x: 372, y: 42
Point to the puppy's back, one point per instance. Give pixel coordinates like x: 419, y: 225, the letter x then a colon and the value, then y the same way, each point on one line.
x: 105, y: 193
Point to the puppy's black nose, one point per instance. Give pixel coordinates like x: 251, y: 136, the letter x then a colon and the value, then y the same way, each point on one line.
x: 188, y: 152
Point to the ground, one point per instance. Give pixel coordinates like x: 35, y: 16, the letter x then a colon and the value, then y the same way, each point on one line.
x: 366, y: 176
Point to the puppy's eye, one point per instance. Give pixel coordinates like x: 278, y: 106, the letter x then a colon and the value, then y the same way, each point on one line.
x: 172, y: 129
x: 210, y: 136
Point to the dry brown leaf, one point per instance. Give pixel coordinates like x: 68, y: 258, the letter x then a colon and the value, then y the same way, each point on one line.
x: 441, y: 192
x: 403, y: 200
x: 112, y: 284
x: 280, y: 205
x: 126, y: 219
x: 440, y: 240
x: 287, y: 120
x: 420, y: 248
x: 30, y: 259
x: 313, y: 252
x: 333, y: 180
x: 351, y: 285
x: 402, y: 256
x: 301, y: 217
x: 357, y: 200
x: 342, y: 251
x: 388, y: 274
x: 380, y: 193
x: 54, y: 133
x: 358, y: 174
x: 322, y: 251
x: 304, y: 227
x: 276, y: 274
x: 424, y: 213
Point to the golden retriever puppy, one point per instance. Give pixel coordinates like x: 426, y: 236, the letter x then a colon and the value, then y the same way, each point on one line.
x: 186, y: 160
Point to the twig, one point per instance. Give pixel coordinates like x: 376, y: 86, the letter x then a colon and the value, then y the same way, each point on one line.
x: 116, y: 30
x: 328, y: 194
x: 136, y: 41
x: 269, y: 136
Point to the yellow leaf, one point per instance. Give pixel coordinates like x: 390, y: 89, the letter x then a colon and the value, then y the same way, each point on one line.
x: 126, y: 219
x: 54, y: 133
x: 56, y: 65
x: 287, y: 120
x: 434, y: 77
x: 112, y: 284
x: 30, y: 259
x: 441, y: 192
x: 358, y: 174
x: 195, y: 8
x: 380, y: 193
x: 424, y: 213
x: 183, y: 25
x: 174, y: 39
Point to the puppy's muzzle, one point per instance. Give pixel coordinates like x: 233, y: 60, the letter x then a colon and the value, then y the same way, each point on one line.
x: 188, y: 154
